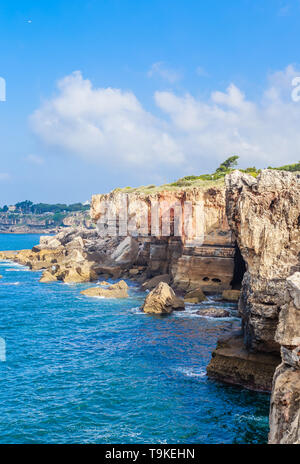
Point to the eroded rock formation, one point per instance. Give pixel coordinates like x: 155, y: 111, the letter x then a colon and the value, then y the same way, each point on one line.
x: 162, y: 300
x: 261, y: 214
x: 117, y: 290
x: 203, y: 253
x: 182, y: 235
x: 264, y: 215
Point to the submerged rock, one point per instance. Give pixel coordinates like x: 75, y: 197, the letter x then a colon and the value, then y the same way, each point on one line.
x: 118, y: 290
x: 162, y: 299
x: 214, y: 312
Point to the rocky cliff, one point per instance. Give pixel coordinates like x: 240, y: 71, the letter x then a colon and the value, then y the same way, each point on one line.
x: 264, y: 215
x: 184, y: 233
x: 202, y: 238
x: 180, y: 236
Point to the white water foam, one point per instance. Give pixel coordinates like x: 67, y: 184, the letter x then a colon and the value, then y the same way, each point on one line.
x: 10, y: 283
x: 251, y: 417
x: 190, y: 372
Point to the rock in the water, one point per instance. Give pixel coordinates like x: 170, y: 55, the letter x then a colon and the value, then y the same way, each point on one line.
x: 191, y: 300
x: 195, y: 296
x: 134, y: 271
x: 8, y: 254
x: 152, y: 283
x: 231, y: 295
x: 214, y: 312
x: 118, y: 290
x: 77, y: 274
x: 162, y: 299
x: 48, y: 277
x: 232, y: 363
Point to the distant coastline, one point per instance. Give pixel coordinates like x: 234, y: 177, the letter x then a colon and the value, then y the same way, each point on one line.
x: 28, y: 218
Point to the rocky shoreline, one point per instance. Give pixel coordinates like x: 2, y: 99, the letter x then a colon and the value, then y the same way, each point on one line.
x: 250, y: 240
x: 29, y: 230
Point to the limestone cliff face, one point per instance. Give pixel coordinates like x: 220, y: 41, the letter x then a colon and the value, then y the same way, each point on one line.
x: 264, y: 215
x: 196, y: 248
x: 216, y: 230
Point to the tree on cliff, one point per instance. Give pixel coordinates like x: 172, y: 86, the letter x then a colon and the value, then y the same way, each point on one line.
x: 227, y: 165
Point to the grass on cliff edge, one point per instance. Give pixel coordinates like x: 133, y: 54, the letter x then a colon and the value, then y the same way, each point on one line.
x: 178, y: 185
x: 204, y: 181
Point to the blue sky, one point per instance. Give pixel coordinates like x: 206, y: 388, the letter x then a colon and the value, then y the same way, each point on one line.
x: 109, y: 93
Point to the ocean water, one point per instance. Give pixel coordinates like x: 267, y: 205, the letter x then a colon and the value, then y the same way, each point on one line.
x: 90, y: 370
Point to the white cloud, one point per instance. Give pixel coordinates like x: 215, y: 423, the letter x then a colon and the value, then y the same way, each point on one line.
x: 104, y: 124
x: 161, y: 70
x: 264, y: 132
x: 34, y: 159
x: 111, y: 126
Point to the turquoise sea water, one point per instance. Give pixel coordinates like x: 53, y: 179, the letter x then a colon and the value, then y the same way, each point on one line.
x: 89, y: 370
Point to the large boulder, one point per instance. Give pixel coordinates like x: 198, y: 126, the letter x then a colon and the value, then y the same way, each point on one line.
x: 47, y: 241
x: 78, y: 273
x: 152, y: 283
x: 231, y: 295
x: 118, y: 290
x: 47, y: 277
x: 195, y: 296
x: 70, y: 273
x: 38, y: 260
x: 162, y: 299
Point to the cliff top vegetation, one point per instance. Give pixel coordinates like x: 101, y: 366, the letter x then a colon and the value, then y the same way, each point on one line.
x: 215, y: 179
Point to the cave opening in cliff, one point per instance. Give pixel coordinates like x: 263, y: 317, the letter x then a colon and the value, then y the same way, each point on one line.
x: 239, y: 269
